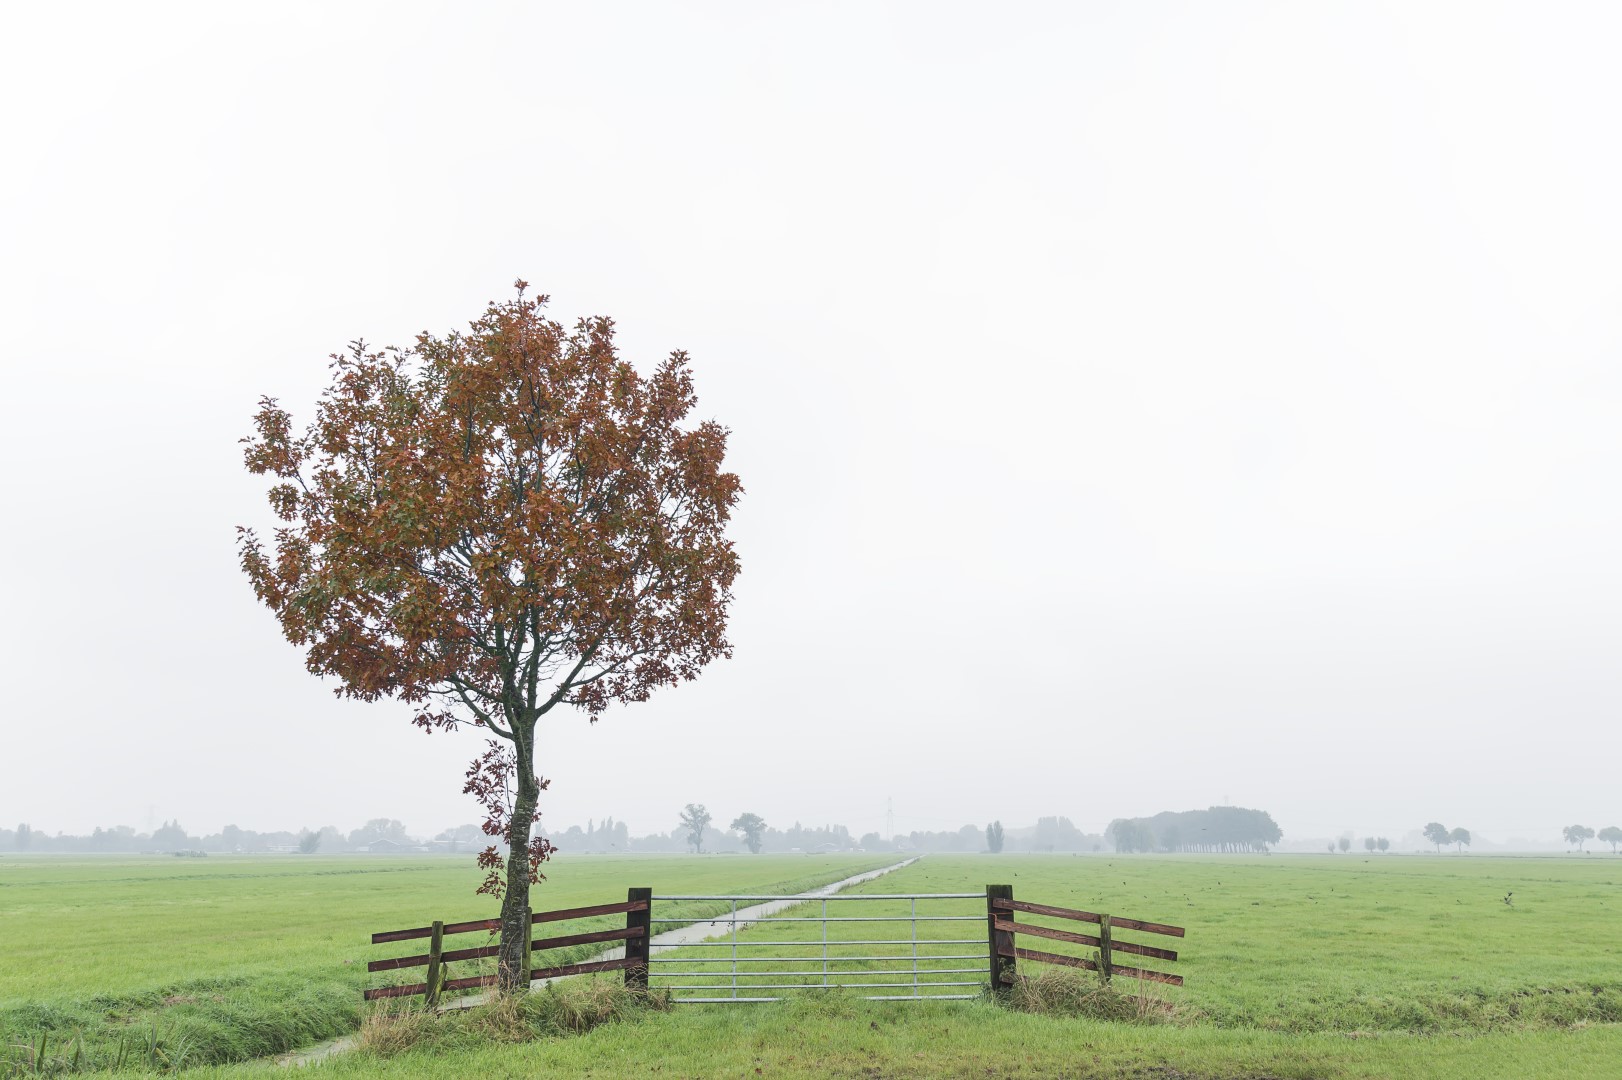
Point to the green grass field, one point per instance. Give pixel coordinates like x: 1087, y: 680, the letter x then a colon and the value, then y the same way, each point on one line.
x: 1315, y: 966
x: 1348, y: 943
x: 233, y: 957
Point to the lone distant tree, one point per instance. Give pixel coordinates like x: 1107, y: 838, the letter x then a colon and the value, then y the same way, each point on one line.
x: 1460, y: 838
x: 24, y: 836
x: 1612, y: 835
x: 1344, y: 843
x: 493, y: 524
x: 1382, y: 843
x: 1368, y: 843
x: 695, y: 819
x: 1578, y: 834
x: 994, y: 837
x: 753, y: 827
x: 1437, y: 834
x: 309, y: 843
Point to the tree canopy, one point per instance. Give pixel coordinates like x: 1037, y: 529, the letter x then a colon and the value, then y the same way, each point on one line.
x: 1438, y: 834
x: 753, y: 827
x: 994, y: 837
x: 492, y: 524
x: 695, y: 819
x: 1218, y: 828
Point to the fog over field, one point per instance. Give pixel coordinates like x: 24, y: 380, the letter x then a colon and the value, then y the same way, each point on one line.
x: 1138, y: 407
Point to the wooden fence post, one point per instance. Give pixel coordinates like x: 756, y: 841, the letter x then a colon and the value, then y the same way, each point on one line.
x: 636, y: 948
x: 436, y: 948
x: 999, y: 942
x: 1103, y: 947
x: 529, y: 935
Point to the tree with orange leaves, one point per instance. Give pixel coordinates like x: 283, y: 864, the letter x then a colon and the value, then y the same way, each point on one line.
x: 490, y: 525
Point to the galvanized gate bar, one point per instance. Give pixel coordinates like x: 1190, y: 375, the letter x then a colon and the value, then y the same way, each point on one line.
x: 849, y: 941
x: 751, y: 920
x: 734, y: 976
x: 803, y: 959
x: 808, y: 897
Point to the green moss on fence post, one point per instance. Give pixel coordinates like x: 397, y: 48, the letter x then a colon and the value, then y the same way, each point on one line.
x: 436, y: 949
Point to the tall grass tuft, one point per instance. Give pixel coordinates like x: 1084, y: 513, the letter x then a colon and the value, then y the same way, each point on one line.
x: 1058, y: 991
x: 570, y: 1008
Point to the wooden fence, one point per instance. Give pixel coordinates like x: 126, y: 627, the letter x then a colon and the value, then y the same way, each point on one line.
x: 637, y: 909
x: 1002, y: 928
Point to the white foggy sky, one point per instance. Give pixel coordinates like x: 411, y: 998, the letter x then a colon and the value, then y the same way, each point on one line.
x: 1176, y: 402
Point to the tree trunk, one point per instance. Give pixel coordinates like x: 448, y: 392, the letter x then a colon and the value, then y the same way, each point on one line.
x: 515, y: 924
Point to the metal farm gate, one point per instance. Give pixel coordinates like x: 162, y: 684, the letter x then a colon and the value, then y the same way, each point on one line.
x: 890, y: 947
x: 884, y: 946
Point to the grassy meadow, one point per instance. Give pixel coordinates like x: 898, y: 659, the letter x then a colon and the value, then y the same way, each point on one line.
x: 1297, y: 966
x: 232, y: 957
x: 1347, y: 943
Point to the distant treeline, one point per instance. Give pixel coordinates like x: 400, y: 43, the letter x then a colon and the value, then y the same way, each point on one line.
x: 606, y: 837
x: 1048, y: 834
x: 379, y: 833
x: 1219, y: 829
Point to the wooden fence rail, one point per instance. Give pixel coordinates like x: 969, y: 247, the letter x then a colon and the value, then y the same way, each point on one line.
x: 1002, y: 932
x: 634, y: 963
x: 1002, y: 929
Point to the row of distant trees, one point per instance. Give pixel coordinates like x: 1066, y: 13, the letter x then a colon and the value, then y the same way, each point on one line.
x: 1575, y: 835
x: 1215, y: 829
x: 1440, y: 834
x: 173, y: 836
x: 1578, y: 835
x: 750, y: 831
x: 1370, y: 843
x: 696, y: 831
x: 1210, y: 830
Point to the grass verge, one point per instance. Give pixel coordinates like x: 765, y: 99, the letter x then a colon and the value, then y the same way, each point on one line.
x: 172, y: 964
x: 1056, y: 991
x: 570, y: 1008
